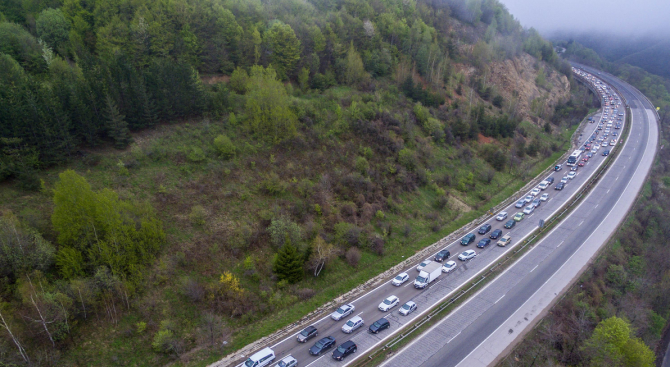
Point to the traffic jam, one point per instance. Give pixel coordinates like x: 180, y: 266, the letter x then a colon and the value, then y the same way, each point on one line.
x: 605, y: 134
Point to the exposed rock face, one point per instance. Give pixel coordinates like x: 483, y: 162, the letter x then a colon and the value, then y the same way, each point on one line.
x: 515, y: 80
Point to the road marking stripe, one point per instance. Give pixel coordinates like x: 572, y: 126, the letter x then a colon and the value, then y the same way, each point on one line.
x: 499, y: 299
x: 534, y: 268
x: 559, y: 245
x: 315, y: 360
x: 459, y: 333
x: 580, y: 223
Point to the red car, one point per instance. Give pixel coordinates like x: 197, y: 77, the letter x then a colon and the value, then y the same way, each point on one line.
x: 585, y: 159
x: 581, y: 164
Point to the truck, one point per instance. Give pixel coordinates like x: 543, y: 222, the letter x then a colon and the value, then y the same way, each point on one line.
x: 427, y: 275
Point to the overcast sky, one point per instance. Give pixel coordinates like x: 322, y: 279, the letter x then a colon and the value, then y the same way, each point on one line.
x: 631, y: 17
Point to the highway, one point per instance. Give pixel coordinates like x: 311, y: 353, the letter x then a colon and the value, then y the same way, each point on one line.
x: 484, y: 328
x: 443, y: 288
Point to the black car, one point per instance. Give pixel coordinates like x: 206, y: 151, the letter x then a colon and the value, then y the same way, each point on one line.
x: 484, y: 229
x: 442, y: 255
x: 344, y: 350
x: 483, y: 242
x: 322, y: 345
x: 468, y: 239
x: 550, y: 179
x: 307, y: 334
x: 510, y: 223
x: 379, y: 325
x: 559, y: 186
x: 496, y: 234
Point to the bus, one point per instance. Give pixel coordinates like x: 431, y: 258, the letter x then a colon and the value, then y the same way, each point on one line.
x: 574, y: 157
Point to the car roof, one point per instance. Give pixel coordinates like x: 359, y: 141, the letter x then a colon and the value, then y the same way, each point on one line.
x: 327, y: 338
x: 288, y: 358
x: 382, y: 321
x: 391, y: 297
x: 449, y: 262
x: 410, y: 303
x: 347, y: 344
x: 310, y: 328
x: 356, y: 318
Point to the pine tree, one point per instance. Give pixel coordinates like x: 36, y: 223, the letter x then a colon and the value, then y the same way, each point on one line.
x: 117, y: 127
x: 288, y: 265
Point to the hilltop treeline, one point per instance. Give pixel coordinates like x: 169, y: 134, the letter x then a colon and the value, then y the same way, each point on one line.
x: 78, y: 73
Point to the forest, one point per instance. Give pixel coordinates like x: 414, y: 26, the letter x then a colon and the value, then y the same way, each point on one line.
x: 182, y: 177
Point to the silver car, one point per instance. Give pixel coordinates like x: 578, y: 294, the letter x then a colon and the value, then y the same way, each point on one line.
x: 353, y: 324
x: 288, y: 361
x: 407, y: 308
x: 343, y: 311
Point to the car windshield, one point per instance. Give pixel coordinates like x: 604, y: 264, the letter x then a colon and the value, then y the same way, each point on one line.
x: 305, y: 333
x: 249, y: 363
x: 418, y: 279
x: 399, y: 277
x: 319, y: 344
x: 350, y: 323
x: 376, y: 324
x: 341, y: 310
x: 405, y: 307
x: 341, y: 349
x: 387, y: 301
x: 424, y: 263
x: 282, y: 364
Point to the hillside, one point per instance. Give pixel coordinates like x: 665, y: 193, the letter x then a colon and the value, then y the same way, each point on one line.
x: 180, y: 174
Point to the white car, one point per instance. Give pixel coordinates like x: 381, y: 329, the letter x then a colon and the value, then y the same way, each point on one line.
x: 388, y: 303
x: 528, y: 198
x: 400, y: 279
x: 449, y: 266
x: 343, y: 311
x: 501, y: 216
x: 407, y: 308
x: 288, y: 361
x: 543, y: 185
x: 535, y: 191
x: 565, y: 179
x: 467, y: 255
x: 529, y: 209
x: 353, y: 324
x: 572, y: 175
x: 423, y: 264
x: 544, y: 197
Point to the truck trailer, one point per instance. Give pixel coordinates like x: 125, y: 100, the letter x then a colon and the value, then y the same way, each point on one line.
x: 427, y: 275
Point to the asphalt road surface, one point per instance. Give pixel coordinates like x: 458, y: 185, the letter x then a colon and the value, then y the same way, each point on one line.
x: 484, y: 327
x: 446, y: 284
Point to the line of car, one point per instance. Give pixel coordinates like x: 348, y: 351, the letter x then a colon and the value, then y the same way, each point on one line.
x: 529, y: 203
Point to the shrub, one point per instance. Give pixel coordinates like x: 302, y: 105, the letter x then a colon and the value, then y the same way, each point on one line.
x: 198, y: 215
x: 224, y: 146
x: 362, y: 165
x: 196, y: 155
x: 377, y: 245
x: 353, y: 256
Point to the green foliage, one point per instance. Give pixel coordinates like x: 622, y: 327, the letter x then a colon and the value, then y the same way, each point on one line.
x: 52, y: 27
x: 354, y: 71
x: 268, y: 106
x: 612, y: 343
x: 101, y: 228
x: 361, y: 165
x: 407, y: 158
x: 289, y: 263
x: 282, y: 229
x: 198, y: 215
x: 303, y: 79
x: 224, y: 146
x: 117, y: 126
x: 196, y: 154
x: 239, y: 80
x: 285, y: 48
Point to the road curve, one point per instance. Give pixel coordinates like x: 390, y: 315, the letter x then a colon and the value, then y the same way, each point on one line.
x: 480, y: 331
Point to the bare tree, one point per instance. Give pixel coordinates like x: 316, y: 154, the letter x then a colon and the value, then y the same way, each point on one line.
x: 213, y: 326
x: 15, y: 339
x: 322, y: 253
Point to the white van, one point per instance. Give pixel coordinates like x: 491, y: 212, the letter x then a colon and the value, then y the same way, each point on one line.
x: 260, y: 359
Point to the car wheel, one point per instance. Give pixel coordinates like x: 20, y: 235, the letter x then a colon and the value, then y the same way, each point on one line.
x: 355, y: 350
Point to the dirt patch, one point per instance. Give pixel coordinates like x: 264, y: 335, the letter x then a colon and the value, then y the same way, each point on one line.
x: 462, y: 207
x: 213, y: 79
x: 483, y: 139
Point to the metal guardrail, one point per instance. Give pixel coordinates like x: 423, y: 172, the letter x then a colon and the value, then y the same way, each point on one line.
x: 548, y: 225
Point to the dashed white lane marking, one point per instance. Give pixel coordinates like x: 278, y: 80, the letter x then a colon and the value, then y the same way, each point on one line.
x: 459, y: 333
x: 501, y: 297
x: 534, y: 268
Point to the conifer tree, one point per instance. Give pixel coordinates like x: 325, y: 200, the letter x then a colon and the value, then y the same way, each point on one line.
x: 288, y: 265
x: 117, y: 127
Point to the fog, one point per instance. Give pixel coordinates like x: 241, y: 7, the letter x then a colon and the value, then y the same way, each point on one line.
x: 621, y: 17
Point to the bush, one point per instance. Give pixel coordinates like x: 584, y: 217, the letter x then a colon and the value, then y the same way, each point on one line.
x: 362, y: 165
x: 377, y: 245
x: 353, y: 256
x: 198, y: 215
x: 224, y: 146
x: 196, y: 155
